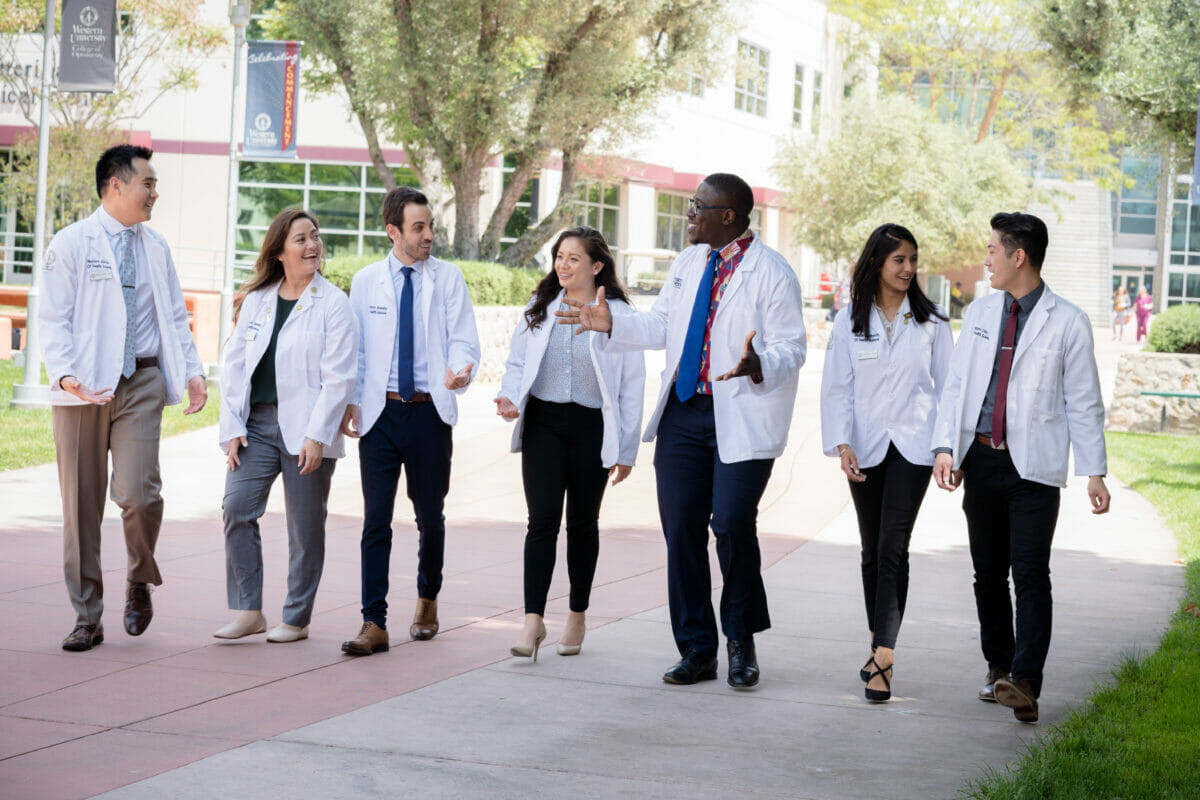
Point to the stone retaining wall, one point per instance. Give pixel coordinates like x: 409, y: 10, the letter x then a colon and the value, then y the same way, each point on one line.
x: 1156, y: 372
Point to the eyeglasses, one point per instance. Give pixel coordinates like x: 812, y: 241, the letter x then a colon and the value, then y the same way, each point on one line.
x: 694, y: 207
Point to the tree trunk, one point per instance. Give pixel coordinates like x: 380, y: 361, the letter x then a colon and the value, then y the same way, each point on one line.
x: 489, y: 246
x: 466, y: 181
x: 522, y: 251
x: 993, y: 104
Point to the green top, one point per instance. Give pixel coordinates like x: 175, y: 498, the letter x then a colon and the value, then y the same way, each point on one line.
x: 262, y: 382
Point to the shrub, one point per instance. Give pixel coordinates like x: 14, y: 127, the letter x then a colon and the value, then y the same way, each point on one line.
x: 489, y: 284
x: 1176, y: 330
x: 827, y: 300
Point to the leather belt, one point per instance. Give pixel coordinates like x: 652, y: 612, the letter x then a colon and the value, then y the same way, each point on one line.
x: 419, y: 397
x: 148, y: 361
x: 985, y: 439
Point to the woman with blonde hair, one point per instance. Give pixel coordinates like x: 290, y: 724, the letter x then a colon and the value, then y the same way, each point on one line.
x: 290, y: 367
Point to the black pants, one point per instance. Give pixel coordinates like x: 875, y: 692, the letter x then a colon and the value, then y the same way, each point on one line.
x: 697, y: 490
x: 560, y: 456
x: 1011, y: 524
x: 887, y: 504
x: 412, y: 436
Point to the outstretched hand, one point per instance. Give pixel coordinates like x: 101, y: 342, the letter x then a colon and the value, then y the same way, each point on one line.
x: 749, y: 366
x: 457, y: 380
x: 588, y: 317
x: 506, y: 409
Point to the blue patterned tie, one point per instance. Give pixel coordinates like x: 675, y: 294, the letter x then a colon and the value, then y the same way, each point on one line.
x: 407, y: 383
x: 693, y: 345
x: 128, y: 271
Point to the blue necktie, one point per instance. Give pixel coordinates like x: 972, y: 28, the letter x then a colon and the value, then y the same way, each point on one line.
x: 407, y: 384
x: 128, y: 269
x: 693, y: 345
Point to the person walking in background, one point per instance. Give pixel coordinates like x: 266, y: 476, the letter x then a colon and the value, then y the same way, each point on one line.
x: 1022, y: 392
x: 578, y: 413
x: 417, y: 347
x: 1121, y: 308
x: 117, y: 348
x: 884, y: 368
x: 1142, y: 307
x: 290, y: 367
x: 721, y: 419
x: 958, y: 300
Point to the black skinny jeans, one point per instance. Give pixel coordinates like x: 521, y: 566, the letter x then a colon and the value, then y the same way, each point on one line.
x: 887, y: 504
x: 560, y: 456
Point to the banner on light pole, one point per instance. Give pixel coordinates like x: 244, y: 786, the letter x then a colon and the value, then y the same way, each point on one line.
x: 1195, y: 193
x: 272, y: 97
x: 87, y: 46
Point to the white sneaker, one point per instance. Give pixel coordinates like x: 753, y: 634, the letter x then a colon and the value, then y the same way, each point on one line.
x: 245, y: 625
x: 287, y: 633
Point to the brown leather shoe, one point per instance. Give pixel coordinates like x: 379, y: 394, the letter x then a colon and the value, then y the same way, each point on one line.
x: 138, y: 608
x: 1017, y: 694
x: 988, y: 693
x: 84, y: 637
x: 371, y: 639
x: 425, y: 621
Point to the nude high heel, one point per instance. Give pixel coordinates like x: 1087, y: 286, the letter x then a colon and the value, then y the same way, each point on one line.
x: 565, y: 649
x: 525, y: 651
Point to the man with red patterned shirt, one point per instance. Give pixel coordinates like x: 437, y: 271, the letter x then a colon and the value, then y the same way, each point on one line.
x: 730, y: 317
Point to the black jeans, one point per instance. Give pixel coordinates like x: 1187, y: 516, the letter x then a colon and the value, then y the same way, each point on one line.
x: 887, y: 504
x: 560, y: 456
x: 1011, y: 523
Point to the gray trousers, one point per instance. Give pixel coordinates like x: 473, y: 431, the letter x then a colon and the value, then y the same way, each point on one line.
x: 306, y: 501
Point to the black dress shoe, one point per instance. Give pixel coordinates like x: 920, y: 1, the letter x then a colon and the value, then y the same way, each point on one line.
x: 84, y: 637
x: 692, y: 668
x: 138, y: 609
x: 743, y: 664
x: 988, y: 693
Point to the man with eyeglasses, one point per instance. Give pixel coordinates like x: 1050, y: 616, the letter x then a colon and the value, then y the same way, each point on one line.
x: 730, y: 317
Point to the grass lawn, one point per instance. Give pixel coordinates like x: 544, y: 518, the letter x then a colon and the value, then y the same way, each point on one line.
x: 1140, y: 737
x: 25, y: 437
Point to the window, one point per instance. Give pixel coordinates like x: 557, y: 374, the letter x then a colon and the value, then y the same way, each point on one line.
x: 347, y: 199
x: 670, y: 229
x: 695, y: 85
x: 816, y: 103
x: 599, y: 205
x: 750, y: 90
x: 798, y: 98
x: 1137, y: 205
x: 1182, y: 274
x: 16, y: 232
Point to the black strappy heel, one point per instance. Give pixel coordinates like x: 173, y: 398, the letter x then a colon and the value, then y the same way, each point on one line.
x: 865, y: 673
x: 880, y: 695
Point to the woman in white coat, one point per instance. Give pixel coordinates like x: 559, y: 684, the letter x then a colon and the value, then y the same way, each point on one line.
x: 578, y: 413
x: 884, y: 369
x: 290, y: 367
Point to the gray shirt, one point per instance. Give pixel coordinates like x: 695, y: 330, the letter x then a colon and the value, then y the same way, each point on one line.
x: 1025, y: 306
x: 566, y: 374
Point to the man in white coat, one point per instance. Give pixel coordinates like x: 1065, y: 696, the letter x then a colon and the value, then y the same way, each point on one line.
x: 730, y: 316
x: 117, y: 348
x: 417, y: 346
x: 1023, y: 389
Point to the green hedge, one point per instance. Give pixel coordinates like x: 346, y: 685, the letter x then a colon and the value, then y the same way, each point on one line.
x: 1176, y: 330
x: 490, y: 284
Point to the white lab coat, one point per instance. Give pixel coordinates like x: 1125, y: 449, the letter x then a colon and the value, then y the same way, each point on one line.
x: 315, y: 365
x: 752, y: 419
x: 451, y: 340
x: 82, y: 312
x: 1053, y: 400
x: 874, y: 393
x: 622, y: 379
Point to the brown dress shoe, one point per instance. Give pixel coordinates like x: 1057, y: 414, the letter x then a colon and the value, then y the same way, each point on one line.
x: 138, y: 608
x: 988, y: 692
x: 425, y: 621
x: 1017, y: 694
x: 371, y: 639
x: 84, y: 637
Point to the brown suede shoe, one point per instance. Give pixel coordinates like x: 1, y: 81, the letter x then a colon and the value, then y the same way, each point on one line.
x: 371, y: 639
x: 425, y: 621
x: 1017, y: 694
x: 84, y: 637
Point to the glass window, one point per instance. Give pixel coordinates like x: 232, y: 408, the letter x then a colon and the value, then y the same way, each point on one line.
x: 750, y: 89
x: 670, y: 230
x: 695, y: 85
x: 816, y: 101
x: 258, y: 205
x: 523, y: 215
x: 798, y: 97
x: 403, y: 175
x: 340, y: 244
x: 376, y: 245
x: 335, y: 175
x: 1138, y: 203
x: 270, y: 172
x: 598, y: 205
x: 336, y: 210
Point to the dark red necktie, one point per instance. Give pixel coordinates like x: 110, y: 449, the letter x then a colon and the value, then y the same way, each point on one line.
x: 1006, y: 357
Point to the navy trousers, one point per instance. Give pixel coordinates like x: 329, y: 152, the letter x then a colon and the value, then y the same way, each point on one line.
x: 412, y: 436
x: 695, y: 490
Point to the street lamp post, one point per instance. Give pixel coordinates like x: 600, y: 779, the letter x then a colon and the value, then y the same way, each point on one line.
x: 239, y: 17
x: 33, y: 393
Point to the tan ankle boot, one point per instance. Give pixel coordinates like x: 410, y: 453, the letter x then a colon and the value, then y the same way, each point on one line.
x: 425, y: 620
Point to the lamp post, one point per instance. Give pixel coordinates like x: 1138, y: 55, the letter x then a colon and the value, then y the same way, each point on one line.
x: 33, y: 393
x: 239, y: 17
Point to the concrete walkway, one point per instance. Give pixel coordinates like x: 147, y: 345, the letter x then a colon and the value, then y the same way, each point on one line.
x: 176, y: 713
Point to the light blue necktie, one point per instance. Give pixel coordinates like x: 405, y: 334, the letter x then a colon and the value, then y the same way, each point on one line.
x: 693, y: 345
x: 407, y: 383
x: 128, y: 269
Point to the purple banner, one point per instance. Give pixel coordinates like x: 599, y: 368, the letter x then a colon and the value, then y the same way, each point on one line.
x: 272, y: 97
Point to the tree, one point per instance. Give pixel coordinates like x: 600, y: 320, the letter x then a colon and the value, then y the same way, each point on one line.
x: 461, y: 83
x: 892, y: 163
x: 159, y: 45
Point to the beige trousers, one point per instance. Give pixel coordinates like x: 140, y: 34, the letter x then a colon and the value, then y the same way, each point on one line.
x: 129, y: 426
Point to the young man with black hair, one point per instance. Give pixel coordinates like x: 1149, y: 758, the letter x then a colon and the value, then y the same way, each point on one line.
x: 1023, y: 390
